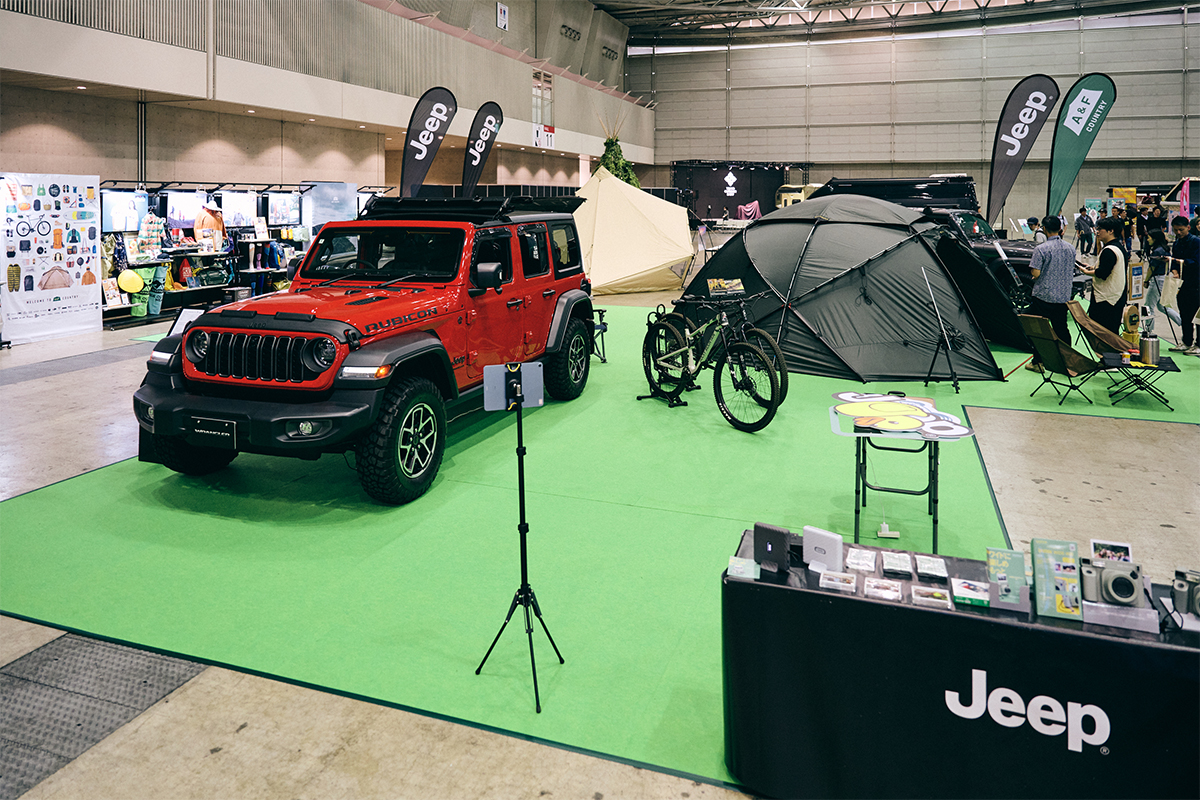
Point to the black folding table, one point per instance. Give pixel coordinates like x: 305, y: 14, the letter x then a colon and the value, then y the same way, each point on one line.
x: 1138, y: 377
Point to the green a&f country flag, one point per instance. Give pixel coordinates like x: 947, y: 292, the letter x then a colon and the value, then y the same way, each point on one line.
x: 1084, y: 109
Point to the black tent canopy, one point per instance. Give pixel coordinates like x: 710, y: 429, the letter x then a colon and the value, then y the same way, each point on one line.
x: 856, y: 288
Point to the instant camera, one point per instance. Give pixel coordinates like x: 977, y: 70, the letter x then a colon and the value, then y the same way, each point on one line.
x: 1117, y: 583
x: 1185, y: 591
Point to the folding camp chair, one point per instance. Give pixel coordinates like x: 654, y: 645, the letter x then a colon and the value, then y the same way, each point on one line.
x: 600, y: 327
x: 1058, y: 359
x: 1098, y: 337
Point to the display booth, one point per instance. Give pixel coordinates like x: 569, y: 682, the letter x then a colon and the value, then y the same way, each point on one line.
x: 831, y: 694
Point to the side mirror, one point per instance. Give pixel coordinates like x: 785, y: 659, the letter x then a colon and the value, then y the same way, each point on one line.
x: 487, y: 275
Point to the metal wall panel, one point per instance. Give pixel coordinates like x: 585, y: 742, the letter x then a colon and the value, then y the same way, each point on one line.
x: 1018, y: 55
x: 928, y: 142
x: 181, y: 23
x: 839, y: 104
x: 938, y: 101
x: 691, y: 71
x: 938, y: 59
x: 771, y: 144
x: 1149, y: 48
x: 686, y: 109
x: 1153, y: 95
x: 771, y: 66
x: 851, y: 63
x: 637, y: 75
x: 835, y: 143
x: 783, y: 106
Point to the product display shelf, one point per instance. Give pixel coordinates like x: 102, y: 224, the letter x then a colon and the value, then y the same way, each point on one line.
x: 962, y: 702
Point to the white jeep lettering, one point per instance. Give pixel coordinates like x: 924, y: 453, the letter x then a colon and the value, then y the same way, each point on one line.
x: 476, y: 147
x: 1045, y: 714
x: 437, y: 115
x: 1035, y: 103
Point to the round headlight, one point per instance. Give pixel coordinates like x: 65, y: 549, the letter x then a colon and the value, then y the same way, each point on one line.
x: 324, y: 353
x: 198, y: 342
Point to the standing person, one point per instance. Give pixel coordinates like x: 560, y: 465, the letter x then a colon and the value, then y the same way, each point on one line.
x: 1035, y: 225
x: 1103, y: 216
x: 1156, y: 221
x: 1186, y: 252
x: 1108, y: 276
x: 1159, y: 255
x: 1085, y: 231
x: 1053, y: 267
x: 1139, y: 224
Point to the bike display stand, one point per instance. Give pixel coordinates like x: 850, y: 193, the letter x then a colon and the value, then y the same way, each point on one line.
x: 524, y: 596
x: 672, y: 401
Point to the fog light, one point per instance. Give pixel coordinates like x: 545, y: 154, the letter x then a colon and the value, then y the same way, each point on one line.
x: 150, y: 413
x: 307, y: 428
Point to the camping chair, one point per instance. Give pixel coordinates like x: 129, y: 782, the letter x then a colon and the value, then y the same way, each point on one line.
x: 1098, y: 337
x: 600, y: 327
x: 1058, y: 358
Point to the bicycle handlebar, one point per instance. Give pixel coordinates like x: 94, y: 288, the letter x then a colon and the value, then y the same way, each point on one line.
x: 700, y: 301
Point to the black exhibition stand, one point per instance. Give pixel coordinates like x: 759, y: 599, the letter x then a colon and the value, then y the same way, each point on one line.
x: 524, y: 596
x: 830, y: 695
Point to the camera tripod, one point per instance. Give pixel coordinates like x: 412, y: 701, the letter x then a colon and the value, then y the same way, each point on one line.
x: 524, y: 596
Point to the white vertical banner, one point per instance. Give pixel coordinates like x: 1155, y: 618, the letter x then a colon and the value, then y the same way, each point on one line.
x: 51, y: 244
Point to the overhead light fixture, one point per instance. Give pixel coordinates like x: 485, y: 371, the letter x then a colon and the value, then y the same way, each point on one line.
x: 80, y: 87
x: 312, y: 119
x: 249, y: 110
x: 362, y: 126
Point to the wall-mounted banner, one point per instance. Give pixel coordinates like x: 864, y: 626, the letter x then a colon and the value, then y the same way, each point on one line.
x: 1025, y: 112
x: 51, y: 245
x: 484, y: 129
x: 430, y: 121
x: 1084, y: 109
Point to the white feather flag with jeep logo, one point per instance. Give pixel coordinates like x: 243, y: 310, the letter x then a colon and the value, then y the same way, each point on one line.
x: 52, y: 256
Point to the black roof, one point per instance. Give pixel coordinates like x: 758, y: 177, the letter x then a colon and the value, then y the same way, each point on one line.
x: 477, y: 210
x: 951, y: 191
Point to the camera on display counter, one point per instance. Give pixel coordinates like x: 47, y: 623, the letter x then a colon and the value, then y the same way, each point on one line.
x: 1117, y: 583
x: 1185, y: 591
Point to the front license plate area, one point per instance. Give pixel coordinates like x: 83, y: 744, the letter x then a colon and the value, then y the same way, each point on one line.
x: 221, y: 433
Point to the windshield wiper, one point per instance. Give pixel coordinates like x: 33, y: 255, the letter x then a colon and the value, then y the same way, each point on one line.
x: 386, y: 284
x: 344, y: 277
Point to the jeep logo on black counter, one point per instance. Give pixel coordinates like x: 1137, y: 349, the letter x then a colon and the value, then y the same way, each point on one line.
x: 384, y: 324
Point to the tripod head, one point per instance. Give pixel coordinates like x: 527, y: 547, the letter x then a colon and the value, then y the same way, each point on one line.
x: 507, y: 386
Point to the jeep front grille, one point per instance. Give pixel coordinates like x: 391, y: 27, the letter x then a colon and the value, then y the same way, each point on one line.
x: 256, y: 356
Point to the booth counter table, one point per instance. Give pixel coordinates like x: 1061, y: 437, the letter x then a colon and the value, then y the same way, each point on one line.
x: 831, y: 695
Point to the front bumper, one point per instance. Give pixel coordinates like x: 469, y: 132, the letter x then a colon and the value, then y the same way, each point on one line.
x: 164, y: 406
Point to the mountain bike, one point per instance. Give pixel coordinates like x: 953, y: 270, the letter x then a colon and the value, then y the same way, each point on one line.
x: 747, y: 361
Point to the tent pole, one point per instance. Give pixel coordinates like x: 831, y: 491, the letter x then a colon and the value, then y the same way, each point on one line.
x: 787, y: 299
x: 944, y: 340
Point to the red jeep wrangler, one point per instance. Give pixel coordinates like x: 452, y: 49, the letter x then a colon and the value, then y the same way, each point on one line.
x: 388, y: 323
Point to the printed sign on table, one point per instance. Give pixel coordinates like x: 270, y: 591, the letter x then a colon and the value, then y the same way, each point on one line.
x: 51, y: 241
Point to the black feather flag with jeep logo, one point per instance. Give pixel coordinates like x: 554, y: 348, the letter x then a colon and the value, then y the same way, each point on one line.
x: 426, y: 130
x: 484, y: 130
x: 1025, y: 112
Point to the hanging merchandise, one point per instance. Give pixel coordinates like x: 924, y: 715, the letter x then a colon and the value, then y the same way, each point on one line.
x: 45, y: 298
x: 151, y: 233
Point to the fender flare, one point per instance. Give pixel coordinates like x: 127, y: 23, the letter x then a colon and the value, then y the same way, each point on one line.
x: 563, y: 311
x: 396, y: 350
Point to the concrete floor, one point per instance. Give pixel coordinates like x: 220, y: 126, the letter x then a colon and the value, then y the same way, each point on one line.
x: 230, y: 735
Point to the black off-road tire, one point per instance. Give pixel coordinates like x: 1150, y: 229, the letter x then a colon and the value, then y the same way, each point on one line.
x: 766, y: 342
x: 566, y: 371
x: 176, y: 454
x: 401, y: 454
x: 665, y: 360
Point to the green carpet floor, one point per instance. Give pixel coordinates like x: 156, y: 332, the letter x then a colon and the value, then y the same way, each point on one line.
x: 286, y: 568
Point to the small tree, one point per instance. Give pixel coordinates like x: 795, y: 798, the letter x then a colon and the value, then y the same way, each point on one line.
x: 613, y: 159
x: 615, y: 162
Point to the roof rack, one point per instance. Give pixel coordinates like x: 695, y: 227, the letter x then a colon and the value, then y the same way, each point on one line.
x: 478, y: 210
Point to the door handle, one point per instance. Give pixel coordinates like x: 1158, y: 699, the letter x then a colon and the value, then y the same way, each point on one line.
x: 516, y: 301
x: 549, y: 292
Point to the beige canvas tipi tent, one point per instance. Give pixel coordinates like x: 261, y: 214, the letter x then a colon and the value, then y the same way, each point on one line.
x: 632, y: 241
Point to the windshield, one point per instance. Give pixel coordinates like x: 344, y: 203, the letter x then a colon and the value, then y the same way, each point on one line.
x: 384, y: 254
x: 975, y: 227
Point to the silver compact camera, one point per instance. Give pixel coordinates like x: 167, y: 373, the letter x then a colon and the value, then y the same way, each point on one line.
x: 1117, y: 583
x: 1185, y: 591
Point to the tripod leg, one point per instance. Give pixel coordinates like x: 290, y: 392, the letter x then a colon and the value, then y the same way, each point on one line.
x: 511, y: 609
x: 538, y: 612
x: 537, y: 700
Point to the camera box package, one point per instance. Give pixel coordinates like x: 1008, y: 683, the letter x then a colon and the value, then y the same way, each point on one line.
x: 970, y: 593
x: 931, y: 568
x: 839, y: 581
x: 1056, y: 578
x: 1006, y: 571
x: 860, y: 560
x: 897, y: 564
x: 883, y: 589
x: 931, y: 596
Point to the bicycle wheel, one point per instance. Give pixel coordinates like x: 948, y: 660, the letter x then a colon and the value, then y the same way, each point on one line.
x: 766, y: 342
x: 679, y: 322
x: 746, y: 387
x: 665, y: 360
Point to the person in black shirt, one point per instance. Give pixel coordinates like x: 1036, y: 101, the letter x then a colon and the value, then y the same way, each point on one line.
x: 1109, y: 293
x: 1186, y: 264
x: 1158, y: 255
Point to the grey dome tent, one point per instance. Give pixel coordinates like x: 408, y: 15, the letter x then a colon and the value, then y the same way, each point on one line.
x: 855, y: 289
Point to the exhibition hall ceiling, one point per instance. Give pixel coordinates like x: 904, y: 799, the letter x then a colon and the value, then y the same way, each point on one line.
x: 697, y: 22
